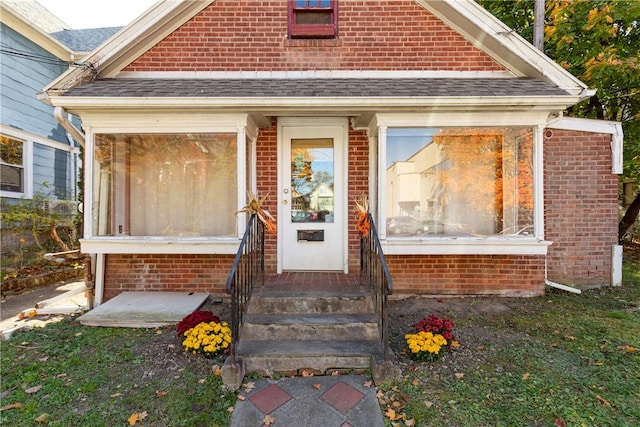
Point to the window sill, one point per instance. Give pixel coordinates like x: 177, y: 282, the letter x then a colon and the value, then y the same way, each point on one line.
x: 312, y: 42
x: 465, y: 246
x: 160, y: 245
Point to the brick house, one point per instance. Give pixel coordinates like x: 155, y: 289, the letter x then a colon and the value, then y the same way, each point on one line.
x: 449, y: 122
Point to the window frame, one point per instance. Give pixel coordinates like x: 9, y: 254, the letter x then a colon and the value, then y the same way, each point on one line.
x: 27, y: 162
x: 443, y: 244
x: 240, y: 124
x: 312, y: 31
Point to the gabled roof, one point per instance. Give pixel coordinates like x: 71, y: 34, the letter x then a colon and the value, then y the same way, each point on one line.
x: 474, y: 23
x: 85, y: 40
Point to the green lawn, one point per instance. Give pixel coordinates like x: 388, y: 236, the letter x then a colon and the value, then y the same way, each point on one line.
x: 562, y: 359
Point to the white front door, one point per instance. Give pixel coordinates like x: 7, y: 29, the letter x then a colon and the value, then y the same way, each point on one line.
x: 312, y: 214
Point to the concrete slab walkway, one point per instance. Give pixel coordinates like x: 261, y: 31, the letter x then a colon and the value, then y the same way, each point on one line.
x: 144, y: 309
x: 314, y: 401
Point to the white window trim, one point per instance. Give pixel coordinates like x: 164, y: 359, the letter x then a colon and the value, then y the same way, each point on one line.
x: 443, y: 245
x: 29, y: 140
x: 597, y: 126
x: 164, y: 122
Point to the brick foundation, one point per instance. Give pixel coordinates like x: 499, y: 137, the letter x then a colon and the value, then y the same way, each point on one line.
x: 166, y: 272
x: 506, y: 275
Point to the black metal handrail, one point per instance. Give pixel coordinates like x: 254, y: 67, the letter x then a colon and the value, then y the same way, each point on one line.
x: 374, y: 273
x: 247, y: 270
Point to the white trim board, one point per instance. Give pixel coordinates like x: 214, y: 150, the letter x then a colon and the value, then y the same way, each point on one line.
x: 597, y: 126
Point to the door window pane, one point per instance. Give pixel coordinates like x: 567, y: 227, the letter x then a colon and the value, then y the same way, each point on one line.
x: 181, y: 185
x: 312, y: 175
x: 459, y: 181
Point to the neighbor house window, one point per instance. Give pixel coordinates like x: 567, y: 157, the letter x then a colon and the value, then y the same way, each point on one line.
x: 313, y: 19
x: 12, y: 174
x: 181, y: 185
x: 459, y: 182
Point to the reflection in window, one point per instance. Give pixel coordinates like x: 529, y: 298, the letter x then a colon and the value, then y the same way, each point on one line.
x: 165, y: 184
x: 11, y: 164
x: 312, y: 198
x: 459, y: 181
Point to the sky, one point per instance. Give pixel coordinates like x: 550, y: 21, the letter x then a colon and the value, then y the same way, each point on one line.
x: 80, y: 14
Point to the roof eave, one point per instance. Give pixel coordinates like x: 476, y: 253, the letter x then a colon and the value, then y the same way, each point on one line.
x: 504, y: 45
x: 547, y: 103
x: 37, y: 36
x: 132, y: 41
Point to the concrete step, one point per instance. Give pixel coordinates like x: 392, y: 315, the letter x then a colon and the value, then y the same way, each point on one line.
x: 332, y: 326
x: 310, y: 303
x: 319, y: 356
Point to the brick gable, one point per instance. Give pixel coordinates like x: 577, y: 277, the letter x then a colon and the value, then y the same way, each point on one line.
x: 232, y: 35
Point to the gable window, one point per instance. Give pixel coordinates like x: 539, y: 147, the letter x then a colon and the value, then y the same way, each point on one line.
x: 175, y: 185
x: 459, y: 182
x: 12, y: 173
x: 313, y: 19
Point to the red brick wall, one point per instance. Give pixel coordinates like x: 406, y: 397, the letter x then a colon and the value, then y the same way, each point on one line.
x: 267, y: 179
x: 581, y: 207
x: 166, y: 272
x: 358, y: 182
x: 507, y: 275
x: 234, y: 35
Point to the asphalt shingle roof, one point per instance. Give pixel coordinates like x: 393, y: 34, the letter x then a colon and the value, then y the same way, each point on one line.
x: 331, y: 87
x: 84, y: 40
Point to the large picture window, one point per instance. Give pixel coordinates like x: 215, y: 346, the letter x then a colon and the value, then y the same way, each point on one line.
x: 181, y: 185
x: 459, y: 182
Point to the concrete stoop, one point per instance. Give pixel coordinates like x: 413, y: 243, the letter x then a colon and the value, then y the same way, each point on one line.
x: 319, y: 332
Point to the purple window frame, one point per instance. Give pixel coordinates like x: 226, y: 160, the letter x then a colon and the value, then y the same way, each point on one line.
x: 312, y: 31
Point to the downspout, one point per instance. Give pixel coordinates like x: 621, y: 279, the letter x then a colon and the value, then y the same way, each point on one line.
x: 558, y: 285
x: 61, y: 117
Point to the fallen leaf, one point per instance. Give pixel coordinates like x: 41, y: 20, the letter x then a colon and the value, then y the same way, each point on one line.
x: 249, y: 386
x: 268, y: 420
x: 455, y: 344
x: 628, y: 348
x: 480, y: 347
x: 335, y: 373
x: 42, y: 418
x: 79, y: 334
x: 34, y: 389
x: 379, y: 394
x: 230, y: 409
x: 459, y: 375
x: 241, y: 398
x: 11, y: 406
x: 43, y: 359
x: 306, y: 373
x: 215, y: 369
x: 201, y: 381
x: 571, y: 337
x: 397, y: 404
x: 391, y: 414
x: 317, y: 386
x: 137, y: 416
x: 368, y: 384
x: 526, y: 376
x: 160, y: 393
x: 171, y: 346
x: 428, y: 403
x: 603, y: 400
x: 416, y: 382
x: 158, y: 331
x: 115, y: 395
x: 558, y: 422
x: 410, y: 423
